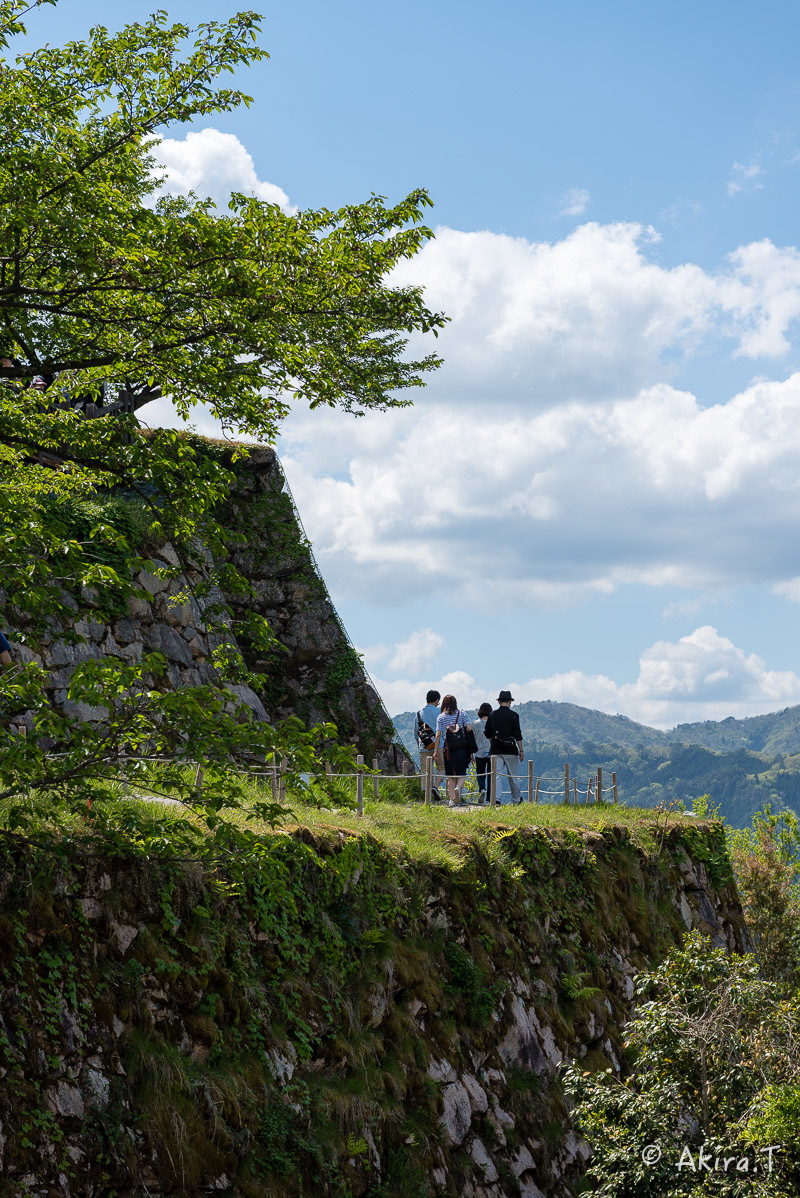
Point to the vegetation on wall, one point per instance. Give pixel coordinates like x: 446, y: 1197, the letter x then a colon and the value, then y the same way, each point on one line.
x: 276, y: 1017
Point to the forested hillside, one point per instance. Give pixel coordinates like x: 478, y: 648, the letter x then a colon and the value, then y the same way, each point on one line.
x: 776, y: 732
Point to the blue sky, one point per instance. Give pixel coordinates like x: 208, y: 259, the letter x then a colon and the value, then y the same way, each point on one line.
x: 598, y: 497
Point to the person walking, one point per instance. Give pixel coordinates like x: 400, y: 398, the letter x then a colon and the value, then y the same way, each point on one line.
x: 452, y: 727
x: 482, y: 761
x: 5, y: 651
x: 503, y: 730
x: 425, y: 736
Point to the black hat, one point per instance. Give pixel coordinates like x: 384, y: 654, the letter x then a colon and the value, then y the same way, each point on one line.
x: 505, y: 697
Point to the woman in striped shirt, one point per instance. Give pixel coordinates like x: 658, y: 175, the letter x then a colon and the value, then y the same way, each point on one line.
x: 456, y: 755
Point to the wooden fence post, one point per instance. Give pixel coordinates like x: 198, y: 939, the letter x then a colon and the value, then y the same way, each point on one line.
x: 328, y: 768
x: 495, y: 778
x: 566, y: 781
x: 575, y: 790
x: 536, y: 796
x: 427, y: 774
x: 404, y: 767
x: 530, y: 779
x: 599, y: 783
x: 614, y: 787
x: 273, y: 780
x: 376, y: 782
x: 282, y: 783
x: 360, y: 785
x: 590, y: 791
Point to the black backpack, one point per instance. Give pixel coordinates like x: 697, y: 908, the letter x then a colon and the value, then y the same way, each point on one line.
x: 456, y: 737
x: 425, y: 734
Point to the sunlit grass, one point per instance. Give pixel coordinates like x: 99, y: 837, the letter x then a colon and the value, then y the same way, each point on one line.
x: 399, y: 819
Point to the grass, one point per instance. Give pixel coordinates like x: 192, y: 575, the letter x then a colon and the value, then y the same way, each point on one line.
x: 399, y: 820
x: 415, y: 825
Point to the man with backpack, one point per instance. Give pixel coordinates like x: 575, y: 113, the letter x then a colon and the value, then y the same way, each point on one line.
x: 503, y: 730
x: 425, y: 736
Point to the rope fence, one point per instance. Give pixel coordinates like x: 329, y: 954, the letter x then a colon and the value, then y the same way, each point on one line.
x: 532, y: 792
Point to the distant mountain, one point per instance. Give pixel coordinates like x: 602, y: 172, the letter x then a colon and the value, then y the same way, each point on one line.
x: 741, y: 763
x: 563, y: 724
x: 571, y: 726
x: 777, y: 732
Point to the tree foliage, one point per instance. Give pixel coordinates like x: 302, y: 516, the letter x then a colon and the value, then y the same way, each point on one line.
x: 711, y: 1040
x: 102, y: 279
x: 766, y: 860
x: 106, y: 283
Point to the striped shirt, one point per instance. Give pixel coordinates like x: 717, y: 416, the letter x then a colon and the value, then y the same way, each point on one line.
x: 447, y: 718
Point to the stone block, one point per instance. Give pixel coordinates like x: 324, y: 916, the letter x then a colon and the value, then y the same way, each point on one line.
x: 134, y: 651
x: 482, y: 1159
x: 456, y: 1116
x: 477, y: 1095
x: 140, y: 610
x: 124, y: 631
x: 522, y: 1162
x: 66, y: 1100
x: 168, y: 556
x: 169, y: 642
x: 123, y: 935
x: 151, y: 582
x: 85, y: 712
x: 178, y: 614
x: 248, y: 696
x: 441, y: 1071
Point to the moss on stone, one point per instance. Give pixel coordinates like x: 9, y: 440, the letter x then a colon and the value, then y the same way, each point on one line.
x: 295, y: 1024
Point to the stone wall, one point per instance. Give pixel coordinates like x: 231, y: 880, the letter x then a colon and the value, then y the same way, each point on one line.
x: 316, y: 675
x: 337, y: 1020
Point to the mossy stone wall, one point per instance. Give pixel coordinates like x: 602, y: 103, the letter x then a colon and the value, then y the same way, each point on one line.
x: 328, y: 1016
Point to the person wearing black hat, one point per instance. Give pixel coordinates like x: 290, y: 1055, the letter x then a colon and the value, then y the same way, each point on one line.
x: 503, y: 730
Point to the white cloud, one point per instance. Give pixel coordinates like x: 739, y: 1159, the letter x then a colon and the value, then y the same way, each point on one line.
x: 683, y: 608
x: 576, y: 500
x: 574, y: 201
x: 212, y: 163
x: 676, y: 211
x: 744, y: 177
x: 412, y: 655
x: 703, y: 676
x: 771, y: 277
x: 402, y: 694
x: 547, y: 450
x: 593, y: 315
x: 789, y: 588
x: 417, y: 652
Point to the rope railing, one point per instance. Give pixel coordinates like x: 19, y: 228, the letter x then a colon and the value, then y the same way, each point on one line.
x: 276, y: 772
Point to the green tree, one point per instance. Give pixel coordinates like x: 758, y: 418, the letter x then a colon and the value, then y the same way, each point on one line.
x: 104, y: 284
x: 766, y: 861
x: 242, y: 310
x: 710, y: 1040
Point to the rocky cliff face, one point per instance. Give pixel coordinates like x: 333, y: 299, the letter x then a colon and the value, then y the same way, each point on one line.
x: 316, y: 676
x: 334, y: 1017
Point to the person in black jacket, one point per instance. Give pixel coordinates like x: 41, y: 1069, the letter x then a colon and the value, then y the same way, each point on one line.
x: 503, y: 730
x: 5, y: 651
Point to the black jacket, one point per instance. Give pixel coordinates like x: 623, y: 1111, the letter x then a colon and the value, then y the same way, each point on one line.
x: 502, y: 728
